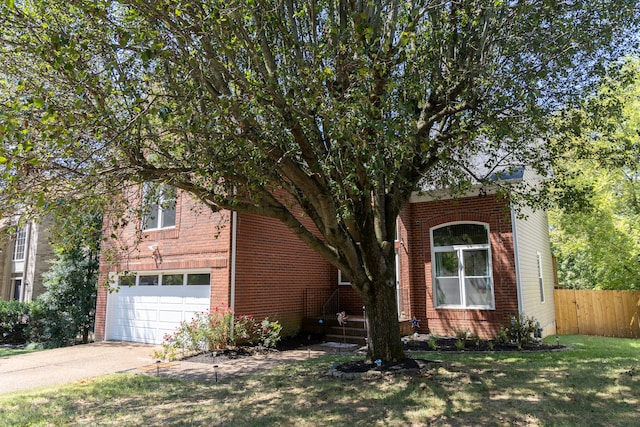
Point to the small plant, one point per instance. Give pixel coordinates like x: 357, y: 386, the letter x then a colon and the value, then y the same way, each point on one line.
x: 502, y: 336
x: 460, y: 344
x: 432, y: 342
x: 462, y: 335
x: 270, y: 333
x: 522, y: 330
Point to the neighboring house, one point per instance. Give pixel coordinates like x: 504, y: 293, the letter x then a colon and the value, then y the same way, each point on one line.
x: 486, y: 262
x: 24, y: 255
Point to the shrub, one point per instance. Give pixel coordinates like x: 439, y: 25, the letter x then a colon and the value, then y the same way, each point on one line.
x: 212, y: 330
x: 50, y: 326
x: 522, y: 330
x: 269, y: 333
x: 14, y: 316
x: 432, y: 342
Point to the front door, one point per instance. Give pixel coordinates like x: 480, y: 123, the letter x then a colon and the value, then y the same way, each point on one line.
x: 17, y: 288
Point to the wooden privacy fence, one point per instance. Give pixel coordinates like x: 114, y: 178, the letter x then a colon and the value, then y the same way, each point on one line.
x: 603, y: 313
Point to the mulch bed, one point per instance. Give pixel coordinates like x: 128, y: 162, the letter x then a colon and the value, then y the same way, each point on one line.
x: 411, y: 343
x: 424, y: 343
x: 300, y: 341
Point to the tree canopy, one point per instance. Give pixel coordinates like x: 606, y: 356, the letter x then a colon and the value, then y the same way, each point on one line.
x: 596, y: 226
x: 340, y: 108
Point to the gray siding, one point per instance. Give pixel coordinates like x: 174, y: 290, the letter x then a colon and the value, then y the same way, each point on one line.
x: 532, y: 234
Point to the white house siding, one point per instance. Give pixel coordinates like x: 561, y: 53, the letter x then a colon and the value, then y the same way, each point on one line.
x: 532, y: 234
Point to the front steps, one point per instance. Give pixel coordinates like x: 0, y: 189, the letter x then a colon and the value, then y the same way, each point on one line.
x: 353, y: 332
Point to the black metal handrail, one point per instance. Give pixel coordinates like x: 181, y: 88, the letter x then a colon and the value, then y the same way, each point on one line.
x: 331, y: 306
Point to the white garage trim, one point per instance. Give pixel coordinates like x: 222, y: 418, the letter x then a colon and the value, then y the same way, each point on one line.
x: 155, y: 303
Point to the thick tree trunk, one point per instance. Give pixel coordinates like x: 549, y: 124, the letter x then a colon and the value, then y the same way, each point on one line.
x: 382, y: 323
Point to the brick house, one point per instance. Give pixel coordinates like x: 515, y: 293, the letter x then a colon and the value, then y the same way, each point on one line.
x: 487, y: 264
x: 24, y: 255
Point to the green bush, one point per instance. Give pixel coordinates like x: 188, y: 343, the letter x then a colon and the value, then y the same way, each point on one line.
x: 269, y: 333
x: 218, y: 329
x: 49, y: 326
x: 522, y: 330
x: 14, y: 316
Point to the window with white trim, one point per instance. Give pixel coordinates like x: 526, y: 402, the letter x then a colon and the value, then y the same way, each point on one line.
x: 461, y: 258
x: 540, y: 276
x: 165, y: 279
x: 20, y: 245
x: 159, y: 206
x: 343, y: 279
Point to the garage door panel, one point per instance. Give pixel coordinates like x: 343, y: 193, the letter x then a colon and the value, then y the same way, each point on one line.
x: 146, y: 299
x: 170, y: 316
x: 146, y: 313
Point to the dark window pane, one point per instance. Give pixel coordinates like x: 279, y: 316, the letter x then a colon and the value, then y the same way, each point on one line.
x: 198, y: 279
x: 446, y: 264
x: 476, y: 262
x: 460, y: 234
x: 148, y: 280
x: 172, y: 280
x: 129, y: 280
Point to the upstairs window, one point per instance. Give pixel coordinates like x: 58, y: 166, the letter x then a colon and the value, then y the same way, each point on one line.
x: 462, y: 266
x: 20, y: 245
x: 159, y: 206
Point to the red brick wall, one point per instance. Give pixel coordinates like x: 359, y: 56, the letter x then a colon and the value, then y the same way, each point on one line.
x: 274, y: 269
x: 200, y: 240
x: 419, y: 219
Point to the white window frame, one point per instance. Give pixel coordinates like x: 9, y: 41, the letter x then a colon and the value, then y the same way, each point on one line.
x: 540, y: 276
x: 341, y: 281
x: 157, y: 207
x: 20, y: 244
x: 163, y: 273
x: 460, y: 249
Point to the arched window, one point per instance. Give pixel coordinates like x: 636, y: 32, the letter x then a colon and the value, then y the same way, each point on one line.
x: 461, y: 259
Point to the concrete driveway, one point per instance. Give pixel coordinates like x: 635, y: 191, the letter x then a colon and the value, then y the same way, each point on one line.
x: 62, y: 365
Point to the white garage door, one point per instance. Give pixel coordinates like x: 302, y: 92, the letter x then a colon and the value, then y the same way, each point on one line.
x: 155, y: 305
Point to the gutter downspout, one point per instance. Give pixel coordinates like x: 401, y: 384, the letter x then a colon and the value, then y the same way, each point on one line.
x: 232, y: 277
x: 234, y: 238
x: 514, y: 229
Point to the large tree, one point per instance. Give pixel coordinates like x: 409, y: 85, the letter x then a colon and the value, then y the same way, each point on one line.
x: 595, y: 226
x: 338, y: 109
x: 67, y: 309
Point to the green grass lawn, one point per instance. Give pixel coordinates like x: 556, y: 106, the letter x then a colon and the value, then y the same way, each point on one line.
x: 12, y: 351
x: 596, y: 382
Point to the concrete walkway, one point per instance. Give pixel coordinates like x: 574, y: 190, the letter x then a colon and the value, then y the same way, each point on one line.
x: 68, y: 364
